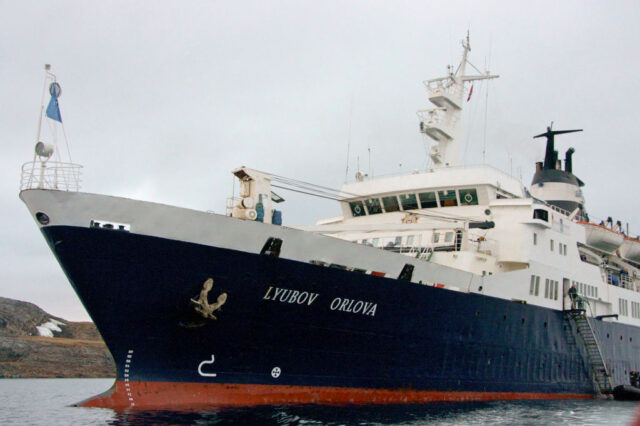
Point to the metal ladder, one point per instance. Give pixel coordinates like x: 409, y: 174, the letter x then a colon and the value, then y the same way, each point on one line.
x: 599, y: 370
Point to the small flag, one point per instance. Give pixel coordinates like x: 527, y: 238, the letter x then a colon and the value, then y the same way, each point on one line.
x: 470, y: 92
x: 53, y: 110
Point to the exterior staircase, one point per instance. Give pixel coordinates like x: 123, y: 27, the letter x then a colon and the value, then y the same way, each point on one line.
x: 599, y: 371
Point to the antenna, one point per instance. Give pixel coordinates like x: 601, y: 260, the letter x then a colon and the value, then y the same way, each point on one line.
x: 486, y: 107
x: 346, y: 172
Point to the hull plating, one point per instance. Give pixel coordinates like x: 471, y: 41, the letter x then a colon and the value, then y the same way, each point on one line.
x: 296, y: 332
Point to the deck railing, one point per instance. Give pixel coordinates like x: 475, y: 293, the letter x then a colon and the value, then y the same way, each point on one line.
x: 50, y: 175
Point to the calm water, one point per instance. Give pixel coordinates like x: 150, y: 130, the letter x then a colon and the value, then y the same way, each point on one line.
x: 45, y: 401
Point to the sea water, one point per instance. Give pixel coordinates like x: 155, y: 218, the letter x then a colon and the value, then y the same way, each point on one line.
x: 46, y: 401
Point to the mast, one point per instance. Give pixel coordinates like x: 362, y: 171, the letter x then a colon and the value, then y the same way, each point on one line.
x: 442, y: 123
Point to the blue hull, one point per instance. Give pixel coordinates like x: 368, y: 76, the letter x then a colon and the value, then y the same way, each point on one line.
x: 138, y: 290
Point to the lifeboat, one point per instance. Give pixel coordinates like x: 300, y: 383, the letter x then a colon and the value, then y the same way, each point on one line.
x: 602, y: 238
x: 630, y: 249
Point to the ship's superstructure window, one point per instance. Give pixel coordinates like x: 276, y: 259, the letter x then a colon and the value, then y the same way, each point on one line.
x: 551, y: 245
x: 623, y: 307
x: 448, y: 237
x: 423, y: 200
x: 448, y: 198
x: 357, y: 208
x: 428, y: 200
x: 586, y: 289
x: 535, y: 239
x: 551, y: 289
x: 436, y: 237
x: 468, y: 197
x: 373, y: 205
x: 410, y: 239
x: 375, y: 242
x: 390, y: 204
x: 541, y: 214
x: 534, y: 287
x: 635, y: 310
x: 409, y: 202
x: 546, y: 288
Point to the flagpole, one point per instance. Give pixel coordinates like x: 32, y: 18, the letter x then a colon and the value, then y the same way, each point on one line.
x: 47, y: 67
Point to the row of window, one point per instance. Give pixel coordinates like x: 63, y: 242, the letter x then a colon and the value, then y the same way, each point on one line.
x: 550, y: 288
x: 623, y: 307
x: 635, y: 310
x: 562, y: 248
x: 423, y: 200
x: 408, y: 240
x: 585, y: 289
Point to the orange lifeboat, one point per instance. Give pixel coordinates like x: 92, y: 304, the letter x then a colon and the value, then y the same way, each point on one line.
x: 602, y: 238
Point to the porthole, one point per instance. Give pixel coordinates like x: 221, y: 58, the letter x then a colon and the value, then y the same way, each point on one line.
x: 42, y: 218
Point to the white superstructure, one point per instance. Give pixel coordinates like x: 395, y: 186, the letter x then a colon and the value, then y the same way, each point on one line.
x: 512, y: 242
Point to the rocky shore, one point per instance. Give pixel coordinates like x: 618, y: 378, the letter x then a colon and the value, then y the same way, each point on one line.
x: 36, y: 344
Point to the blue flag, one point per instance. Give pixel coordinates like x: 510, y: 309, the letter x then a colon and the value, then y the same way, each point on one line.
x: 53, y: 110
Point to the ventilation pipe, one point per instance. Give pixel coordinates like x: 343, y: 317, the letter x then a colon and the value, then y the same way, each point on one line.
x: 568, y: 162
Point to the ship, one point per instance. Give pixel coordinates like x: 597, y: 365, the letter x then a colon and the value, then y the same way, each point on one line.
x: 457, y: 283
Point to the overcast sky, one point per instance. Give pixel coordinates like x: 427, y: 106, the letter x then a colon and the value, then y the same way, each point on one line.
x: 161, y: 100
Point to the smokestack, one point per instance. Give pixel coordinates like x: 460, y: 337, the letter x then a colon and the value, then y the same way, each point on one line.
x: 568, y: 163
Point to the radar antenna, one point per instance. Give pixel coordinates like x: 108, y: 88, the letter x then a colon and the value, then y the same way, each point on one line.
x: 551, y: 155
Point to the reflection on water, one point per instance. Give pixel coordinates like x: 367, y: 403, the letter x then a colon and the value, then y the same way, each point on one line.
x: 46, y: 401
x: 514, y: 413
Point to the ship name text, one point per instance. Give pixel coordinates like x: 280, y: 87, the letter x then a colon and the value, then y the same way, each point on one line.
x: 286, y: 295
x: 354, y: 306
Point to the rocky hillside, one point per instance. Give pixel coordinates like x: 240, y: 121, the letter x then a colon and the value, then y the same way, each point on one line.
x: 36, y: 344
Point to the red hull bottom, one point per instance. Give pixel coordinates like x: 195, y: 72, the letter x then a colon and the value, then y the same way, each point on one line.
x: 166, y: 395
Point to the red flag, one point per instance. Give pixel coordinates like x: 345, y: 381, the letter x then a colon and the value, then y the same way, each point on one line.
x: 470, y: 92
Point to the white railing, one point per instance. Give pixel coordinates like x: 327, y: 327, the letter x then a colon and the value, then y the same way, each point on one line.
x: 50, y: 175
x: 432, y: 117
x: 439, y: 87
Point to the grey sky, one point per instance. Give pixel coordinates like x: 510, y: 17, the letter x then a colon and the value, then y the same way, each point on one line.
x: 161, y: 100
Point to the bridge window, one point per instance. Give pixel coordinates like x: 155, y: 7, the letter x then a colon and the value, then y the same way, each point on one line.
x: 448, y: 198
x: 373, y: 205
x: 428, y: 200
x: 357, y: 208
x: 541, y: 214
x: 409, y: 201
x: 468, y: 197
x: 390, y: 204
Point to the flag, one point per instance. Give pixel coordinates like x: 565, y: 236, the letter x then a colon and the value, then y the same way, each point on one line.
x: 470, y: 92
x: 53, y: 110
